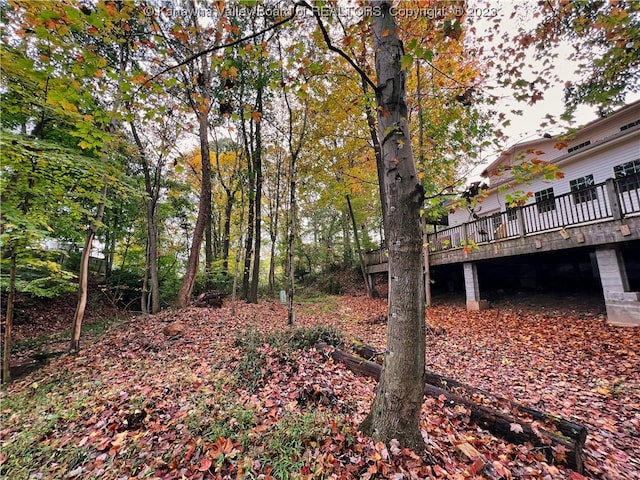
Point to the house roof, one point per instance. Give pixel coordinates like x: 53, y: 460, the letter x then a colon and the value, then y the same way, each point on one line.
x: 506, y: 155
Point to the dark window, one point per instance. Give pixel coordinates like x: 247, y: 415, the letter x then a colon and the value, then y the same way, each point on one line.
x: 628, y: 176
x: 577, y: 147
x: 512, y: 214
x: 545, y: 200
x: 629, y: 125
x: 583, y: 190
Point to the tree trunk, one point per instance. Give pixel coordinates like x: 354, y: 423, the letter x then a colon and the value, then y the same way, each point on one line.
x: 347, y: 254
x: 208, y: 252
x: 375, y: 141
x: 226, y: 232
x: 248, y: 243
x: 144, y: 297
x: 152, y: 238
x: 204, y: 210
x: 273, y: 226
x: 395, y: 412
x: 363, y: 267
x: 291, y: 240
x: 234, y: 290
x: 257, y: 170
x: 152, y: 188
x: 8, y: 321
x: 83, y: 276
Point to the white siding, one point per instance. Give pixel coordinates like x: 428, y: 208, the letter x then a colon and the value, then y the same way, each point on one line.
x: 609, y: 147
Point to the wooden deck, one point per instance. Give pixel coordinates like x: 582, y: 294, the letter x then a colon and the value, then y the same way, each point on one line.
x: 605, y: 213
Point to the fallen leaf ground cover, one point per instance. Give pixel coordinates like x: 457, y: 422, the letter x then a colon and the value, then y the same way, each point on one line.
x: 243, y: 396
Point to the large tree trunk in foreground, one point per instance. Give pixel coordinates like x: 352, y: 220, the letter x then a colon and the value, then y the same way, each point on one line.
x: 396, y: 409
x: 571, y: 436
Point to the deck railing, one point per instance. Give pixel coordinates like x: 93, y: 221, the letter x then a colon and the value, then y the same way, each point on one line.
x: 610, y: 200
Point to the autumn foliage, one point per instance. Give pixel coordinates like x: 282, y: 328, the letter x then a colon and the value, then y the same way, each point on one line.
x: 244, y: 396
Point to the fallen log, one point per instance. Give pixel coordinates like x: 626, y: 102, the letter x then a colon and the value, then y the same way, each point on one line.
x: 557, y: 447
x: 566, y: 427
x: 212, y: 298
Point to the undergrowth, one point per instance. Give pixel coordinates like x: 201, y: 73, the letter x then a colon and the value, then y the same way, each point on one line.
x: 252, y: 367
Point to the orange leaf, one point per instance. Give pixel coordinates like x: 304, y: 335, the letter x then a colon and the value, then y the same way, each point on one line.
x: 205, y: 464
x: 257, y: 116
x: 139, y: 78
x: 386, y: 32
x: 221, y: 446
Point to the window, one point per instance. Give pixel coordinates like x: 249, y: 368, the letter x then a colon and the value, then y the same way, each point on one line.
x: 629, y: 125
x: 578, y: 147
x: 545, y: 200
x: 512, y: 214
x: 582, y: 189
x: 628, y: 176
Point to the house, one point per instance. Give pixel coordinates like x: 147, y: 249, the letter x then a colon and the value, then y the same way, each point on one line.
x: 578, y: 226
x: 605, y: 148
x: 589, y: 211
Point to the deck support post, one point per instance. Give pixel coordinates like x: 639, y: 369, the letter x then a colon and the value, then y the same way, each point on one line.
x: 472, y: 288
x: 623, y: 306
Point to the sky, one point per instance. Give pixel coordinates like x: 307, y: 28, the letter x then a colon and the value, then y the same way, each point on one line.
x: 527, y: 126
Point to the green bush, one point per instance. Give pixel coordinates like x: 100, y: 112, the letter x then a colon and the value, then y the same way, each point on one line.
x: 40, y: 275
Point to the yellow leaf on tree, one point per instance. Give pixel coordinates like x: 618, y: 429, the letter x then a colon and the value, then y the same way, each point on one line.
x: 139, y: 78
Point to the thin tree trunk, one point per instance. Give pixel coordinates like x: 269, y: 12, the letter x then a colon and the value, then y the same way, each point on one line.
x: 395, y: 412
x: 248, y: 243
x: 247, y: 138
x: 226, y: 233
x: 204, y: 211
x: 152, y: 233
x: 8, y: 321
x: 234, y: 290
x: 83, y: 276
x: 150, y: 301
x: 257, y: 170
x: 208, y: 252
x: 273, y: 230
x: 363, y: 267
x: 144, y: 297
x: 347, y: 254
x: 291, y: 240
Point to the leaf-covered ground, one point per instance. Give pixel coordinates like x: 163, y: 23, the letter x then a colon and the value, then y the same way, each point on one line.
x: 233, y: 397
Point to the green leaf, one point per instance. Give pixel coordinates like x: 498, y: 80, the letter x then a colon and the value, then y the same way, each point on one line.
x: 406, y: 61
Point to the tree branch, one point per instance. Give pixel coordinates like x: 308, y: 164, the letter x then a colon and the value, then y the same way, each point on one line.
x: 335, y: 49
x: 230, y: 44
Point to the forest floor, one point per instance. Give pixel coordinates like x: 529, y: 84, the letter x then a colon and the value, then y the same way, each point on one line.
x: 244, y: 396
